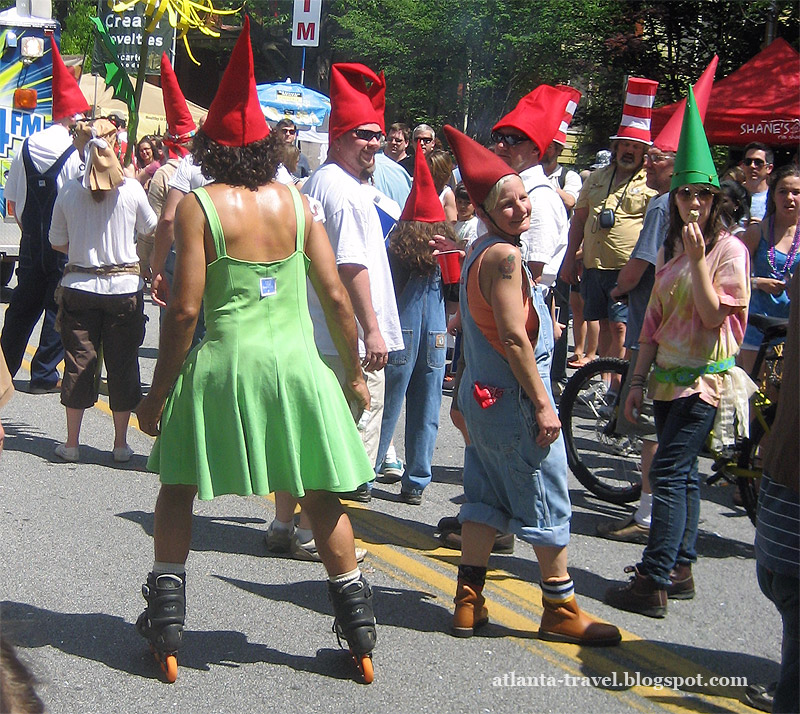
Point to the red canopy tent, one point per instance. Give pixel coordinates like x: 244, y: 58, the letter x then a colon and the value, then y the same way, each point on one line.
x: 760, y: 101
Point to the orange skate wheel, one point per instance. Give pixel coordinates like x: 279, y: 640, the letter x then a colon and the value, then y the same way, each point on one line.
x: 170, y: 667
x: 364, y: 663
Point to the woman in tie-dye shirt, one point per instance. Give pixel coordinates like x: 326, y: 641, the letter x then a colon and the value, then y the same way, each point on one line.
x: 692, y: 330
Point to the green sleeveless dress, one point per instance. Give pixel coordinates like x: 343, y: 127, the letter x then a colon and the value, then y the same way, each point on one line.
x: 255, y: 409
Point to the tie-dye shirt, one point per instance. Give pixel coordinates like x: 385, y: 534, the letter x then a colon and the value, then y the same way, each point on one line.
x: 673, y: 323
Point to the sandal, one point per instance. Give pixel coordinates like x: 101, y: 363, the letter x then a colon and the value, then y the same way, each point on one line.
x: 576, y: 361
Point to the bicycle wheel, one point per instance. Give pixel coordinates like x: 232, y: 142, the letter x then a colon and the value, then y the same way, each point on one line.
x: 750, y: 460
x: 606, y: 463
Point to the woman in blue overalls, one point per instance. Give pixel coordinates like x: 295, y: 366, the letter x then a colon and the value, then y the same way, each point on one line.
x: 515, y: 469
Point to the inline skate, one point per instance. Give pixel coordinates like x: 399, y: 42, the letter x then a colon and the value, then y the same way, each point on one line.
x: 355, y: 622
x: 161, y: 624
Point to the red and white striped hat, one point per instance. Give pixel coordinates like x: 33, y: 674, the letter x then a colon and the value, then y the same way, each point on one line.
x: 572, y: 105
x: 635, y: 123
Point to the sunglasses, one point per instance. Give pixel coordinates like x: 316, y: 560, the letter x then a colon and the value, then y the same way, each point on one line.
x: 758, y: 163
x: 368, y: 134
x: 508, y: 139
x: 656, y: 158
x: 689, y: 194
x: 425, y: 139
x: 289, y: 131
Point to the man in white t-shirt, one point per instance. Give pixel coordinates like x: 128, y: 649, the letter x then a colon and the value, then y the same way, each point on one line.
x: 357, y: 217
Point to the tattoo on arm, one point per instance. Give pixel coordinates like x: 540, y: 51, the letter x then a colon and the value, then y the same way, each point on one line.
x: 506, y: 268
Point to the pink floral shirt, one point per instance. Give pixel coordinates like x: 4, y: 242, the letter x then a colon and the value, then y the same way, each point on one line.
x: 673, y: 323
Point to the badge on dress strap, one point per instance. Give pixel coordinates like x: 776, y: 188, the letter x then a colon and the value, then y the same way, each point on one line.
x: 268, y: 287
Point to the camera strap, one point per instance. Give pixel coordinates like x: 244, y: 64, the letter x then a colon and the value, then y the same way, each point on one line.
x: 625, y: 190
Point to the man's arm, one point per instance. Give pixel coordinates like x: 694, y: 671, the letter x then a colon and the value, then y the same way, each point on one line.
x: 629, y: 277
x: 569, y: 271
x: 356, y: 280
x: 161, y: 246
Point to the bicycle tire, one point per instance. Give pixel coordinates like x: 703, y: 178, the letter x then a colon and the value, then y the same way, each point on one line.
x: 588, y: 428
x: 750, y: 458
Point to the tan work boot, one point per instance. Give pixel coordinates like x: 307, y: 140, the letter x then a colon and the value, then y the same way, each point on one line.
x: 470, y: 613
x: 566, y: 622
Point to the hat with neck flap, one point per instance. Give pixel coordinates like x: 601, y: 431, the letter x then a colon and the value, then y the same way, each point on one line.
x: 668, y: 137
x: 693, y: 164
x: 180, y: 124
x: 423, y: 202
x: 538, y: 115
x: 352, y: 103
x: 68, y: 100
x: 480, y: 168
x: 235, y: 117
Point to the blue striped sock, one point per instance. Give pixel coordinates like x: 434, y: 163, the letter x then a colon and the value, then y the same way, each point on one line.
x: 558, y: 592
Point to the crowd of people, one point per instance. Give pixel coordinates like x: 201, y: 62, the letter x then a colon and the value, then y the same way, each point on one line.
x: 308, y: 307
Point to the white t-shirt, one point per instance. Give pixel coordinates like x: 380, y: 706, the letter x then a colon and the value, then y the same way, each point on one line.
x: 466, y: 231
x: 187, y: 176
x: 102, y: 233
x: 572, y: 181
x: 45, y: 147
x: 546, y: 240
x: 356, y: 232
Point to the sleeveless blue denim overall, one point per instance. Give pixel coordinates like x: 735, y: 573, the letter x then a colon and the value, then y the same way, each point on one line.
x: 510, y: 482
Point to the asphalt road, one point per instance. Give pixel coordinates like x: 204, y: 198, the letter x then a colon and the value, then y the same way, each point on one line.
x: 76, y: 546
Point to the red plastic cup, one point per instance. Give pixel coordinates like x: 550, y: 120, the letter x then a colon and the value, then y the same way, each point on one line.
x: 450, y: 263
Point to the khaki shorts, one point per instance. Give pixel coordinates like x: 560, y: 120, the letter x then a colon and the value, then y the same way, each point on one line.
x: 376, y: 384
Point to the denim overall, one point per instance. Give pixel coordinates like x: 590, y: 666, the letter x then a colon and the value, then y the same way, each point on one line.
x: 510, y: 482
x: 39, y: 272
x: 416, y: 373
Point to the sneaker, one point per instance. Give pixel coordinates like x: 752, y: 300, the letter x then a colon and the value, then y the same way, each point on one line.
x: 627, y: 530
x: 45, y: 388
x: 68, y: 453
x: 122, y: 454
x: 760, y: 696
x: 363, y: 494
x: 279, y: 540
x: 413, y: 497
x: 308, y: 551
x: 392, y: 471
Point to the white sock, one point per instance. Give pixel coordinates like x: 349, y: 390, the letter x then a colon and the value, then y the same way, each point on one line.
x: 642, y: 515
x: 391, y: 454
x: 344, y: 578
x: 304, y: 535
x: 277, y: 525
x: 159, y: 568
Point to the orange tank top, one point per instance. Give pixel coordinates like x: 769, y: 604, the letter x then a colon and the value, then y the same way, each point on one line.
x: 483, y: 315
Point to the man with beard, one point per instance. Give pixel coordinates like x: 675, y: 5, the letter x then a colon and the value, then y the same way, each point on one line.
x: 608, y: 218
x: 356, y: 216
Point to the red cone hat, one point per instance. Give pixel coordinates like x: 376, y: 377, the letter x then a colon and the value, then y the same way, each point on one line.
x: 480, y: 168
x: 68, y: 100
x: 180, y: 123
x: 537, y: 115
x: 669, y: 136
x: 423, y: 202
x: 638, y: 108
x: 569, y: 112
x: 352, y: 103
x: 235, y: 117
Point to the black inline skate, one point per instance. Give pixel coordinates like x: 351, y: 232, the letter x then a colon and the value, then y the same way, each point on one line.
x: 355, y: 622
x: 161, y: 624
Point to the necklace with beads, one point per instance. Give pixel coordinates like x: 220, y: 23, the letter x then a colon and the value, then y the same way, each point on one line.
x: 790, y: 256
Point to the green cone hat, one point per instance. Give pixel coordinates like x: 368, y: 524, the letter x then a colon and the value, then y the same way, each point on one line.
x: 693, y: 163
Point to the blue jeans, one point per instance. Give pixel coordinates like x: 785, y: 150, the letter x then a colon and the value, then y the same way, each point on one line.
x: 415, y: 374
x: 784, y: 592
x: 169, y: 274
x: 682, y: 426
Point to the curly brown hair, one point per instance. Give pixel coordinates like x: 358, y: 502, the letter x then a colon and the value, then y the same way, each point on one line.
x: 248, y: 166
x: 408, y: 243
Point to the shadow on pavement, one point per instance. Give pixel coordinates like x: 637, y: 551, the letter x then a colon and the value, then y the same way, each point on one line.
x: 115, y: 643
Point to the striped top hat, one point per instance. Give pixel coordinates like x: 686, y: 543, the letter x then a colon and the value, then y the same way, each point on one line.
x: 635, y: 123
x: 572, y: 105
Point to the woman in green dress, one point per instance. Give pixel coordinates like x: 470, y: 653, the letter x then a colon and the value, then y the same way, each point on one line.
x: 252, y: 409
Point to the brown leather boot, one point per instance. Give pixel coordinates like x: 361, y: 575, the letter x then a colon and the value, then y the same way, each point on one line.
x: 566, y: 622
x: 642, y: 594
x: 471, y: 612
x: 681, y: 583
